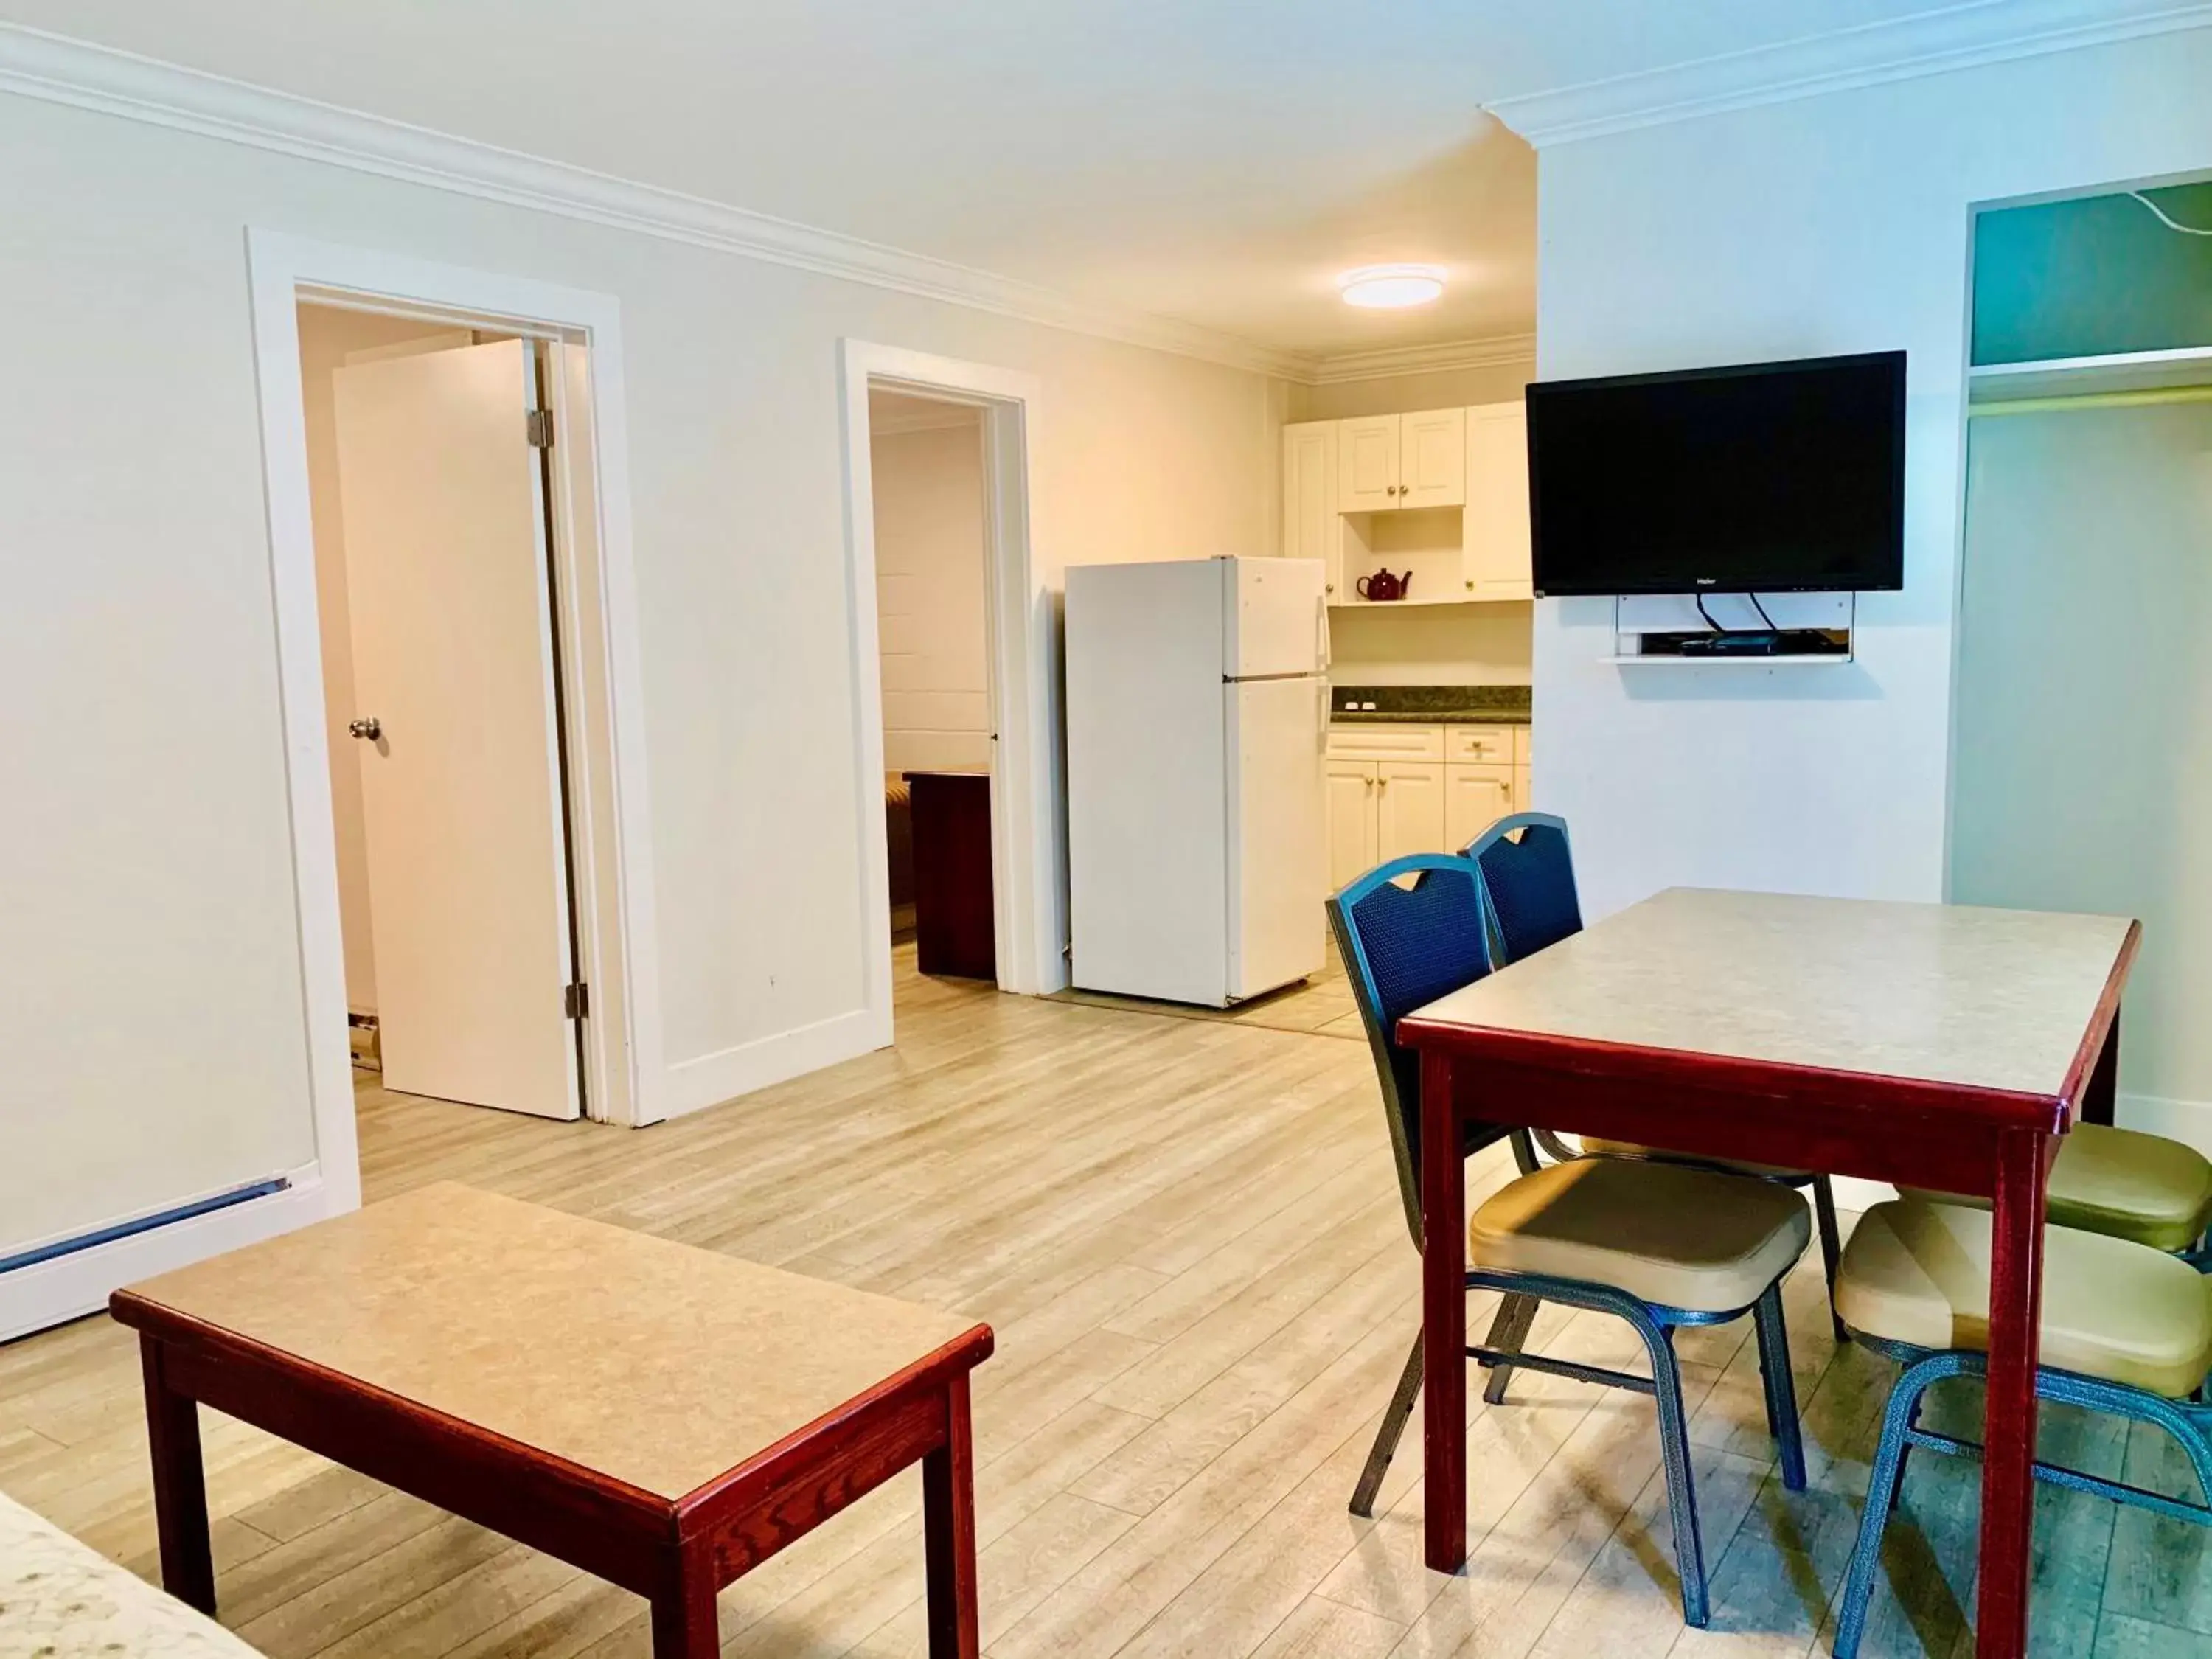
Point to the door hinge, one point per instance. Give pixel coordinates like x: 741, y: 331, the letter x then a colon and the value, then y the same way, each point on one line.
x: 576, y: 1001
x: 540, y: 424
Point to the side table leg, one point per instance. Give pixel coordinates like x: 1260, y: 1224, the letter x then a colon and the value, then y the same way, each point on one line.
x: 180, y: 1517
x: 684, y: 1625
x: 948, y: 1502
x: 2016, y: 1322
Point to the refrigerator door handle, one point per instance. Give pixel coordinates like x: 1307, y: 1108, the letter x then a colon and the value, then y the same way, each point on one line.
x: 1320, y: 611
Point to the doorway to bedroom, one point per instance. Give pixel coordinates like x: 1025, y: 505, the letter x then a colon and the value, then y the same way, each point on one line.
x: 932, y: 558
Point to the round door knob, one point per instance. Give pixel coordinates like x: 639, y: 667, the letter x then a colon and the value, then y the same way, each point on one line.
x: 370, y: 730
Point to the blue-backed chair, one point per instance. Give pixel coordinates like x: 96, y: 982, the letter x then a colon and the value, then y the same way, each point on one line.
x: 1658, y: 1245
x: 1528, y: 872
x: 2126, y: 1329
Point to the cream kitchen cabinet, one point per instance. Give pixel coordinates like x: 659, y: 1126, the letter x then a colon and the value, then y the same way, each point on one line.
x: 1409, y: 808
x: 1352, y: 827
x: 1395, y: 789
x: 1442, y: 493
x: 1475, y: 797
x: 1386, y: 463
x: 1312, y: 527
x: 1494, y: 531
x: 1432, y: 459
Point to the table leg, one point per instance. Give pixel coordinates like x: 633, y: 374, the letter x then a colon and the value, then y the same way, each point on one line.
x: 2016, y: 1320
x: 684, y: 1622
x: 1444, y: 1318
x: 2100, y: 1098
x: 180, y: 1517
x: 948, y: 1503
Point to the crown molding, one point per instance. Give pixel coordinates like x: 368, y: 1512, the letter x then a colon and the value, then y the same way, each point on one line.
x: 56, y: 70
x: 1932, y: 43
x: 1497, y: 351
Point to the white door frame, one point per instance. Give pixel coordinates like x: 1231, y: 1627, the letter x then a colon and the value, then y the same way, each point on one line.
x: 1029, y: 836
x: 612, y: 847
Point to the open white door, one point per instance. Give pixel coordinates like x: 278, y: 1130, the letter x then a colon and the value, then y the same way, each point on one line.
x: 447, y: 574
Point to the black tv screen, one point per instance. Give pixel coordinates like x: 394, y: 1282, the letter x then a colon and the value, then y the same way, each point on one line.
x: 1765, y: 477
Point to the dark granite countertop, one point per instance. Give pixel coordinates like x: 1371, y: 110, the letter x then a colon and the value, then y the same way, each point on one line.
x: 1431, y: 705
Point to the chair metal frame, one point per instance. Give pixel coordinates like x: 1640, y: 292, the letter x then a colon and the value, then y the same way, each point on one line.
x: 1519, y: 1293
x: 1824, y: 1192
x: 2190, y: 1423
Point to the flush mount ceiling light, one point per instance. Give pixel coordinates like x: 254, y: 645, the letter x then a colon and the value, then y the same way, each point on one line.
x: 1390, y: 287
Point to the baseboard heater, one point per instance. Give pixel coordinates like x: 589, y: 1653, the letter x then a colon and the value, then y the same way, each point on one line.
x: 144, y: 1224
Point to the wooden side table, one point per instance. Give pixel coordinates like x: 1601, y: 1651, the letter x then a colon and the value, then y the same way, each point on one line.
x: 954, y: 919
x: 663, y: 1417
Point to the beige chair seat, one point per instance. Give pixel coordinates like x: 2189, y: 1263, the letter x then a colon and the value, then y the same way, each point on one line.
x: 2121, y: 1181
x: 1736, y: 1165
x: 1669, y: 1233
x: 1918, y: 1273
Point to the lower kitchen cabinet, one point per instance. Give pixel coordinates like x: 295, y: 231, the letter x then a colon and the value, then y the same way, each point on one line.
x: 1475, y: 797
x: 1409, y: 809
x: 1351, y: 828
x: 1402, y: 788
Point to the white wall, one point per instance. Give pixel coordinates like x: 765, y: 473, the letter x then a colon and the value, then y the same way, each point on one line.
x: 327, y: 335
x: 150, y: 996
x: 2084, y: 710
x: 1833, y: 224
x: 930, y: 596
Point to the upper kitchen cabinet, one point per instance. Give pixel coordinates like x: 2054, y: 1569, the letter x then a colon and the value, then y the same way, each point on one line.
x: 1367, y: 464
x: 1311, y: 528
x: 1387, y: 463
x: 1495, y: 537
x: 1438, y: 499
x: 1432, y: 459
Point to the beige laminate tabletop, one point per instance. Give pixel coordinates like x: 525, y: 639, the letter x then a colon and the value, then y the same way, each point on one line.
x: 658, y: 1364
x: 1981, y: 999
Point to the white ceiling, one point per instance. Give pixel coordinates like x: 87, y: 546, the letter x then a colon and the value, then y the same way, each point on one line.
x: 1214, y: 160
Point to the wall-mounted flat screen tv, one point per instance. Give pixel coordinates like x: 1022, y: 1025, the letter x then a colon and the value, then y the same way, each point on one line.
x: 1763, y: 478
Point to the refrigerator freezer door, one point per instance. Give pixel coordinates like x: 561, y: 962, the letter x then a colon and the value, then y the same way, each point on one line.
x: 1277, y: 619
x: 1277, y: 835
x: 1148, y: 846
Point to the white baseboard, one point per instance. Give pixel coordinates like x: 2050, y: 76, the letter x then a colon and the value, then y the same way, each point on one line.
x: 50, y: 1292
x: 710, y: 1080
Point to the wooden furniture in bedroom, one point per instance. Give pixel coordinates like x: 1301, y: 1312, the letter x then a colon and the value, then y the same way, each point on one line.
x: 953, y: 920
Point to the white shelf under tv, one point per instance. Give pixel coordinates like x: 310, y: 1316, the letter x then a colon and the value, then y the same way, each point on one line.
x: 1636, y: 615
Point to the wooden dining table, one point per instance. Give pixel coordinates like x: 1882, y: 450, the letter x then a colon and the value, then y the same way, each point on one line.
x: 1937, y: 1045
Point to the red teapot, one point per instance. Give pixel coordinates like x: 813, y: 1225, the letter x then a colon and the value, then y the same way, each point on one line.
x: 1383, y: 586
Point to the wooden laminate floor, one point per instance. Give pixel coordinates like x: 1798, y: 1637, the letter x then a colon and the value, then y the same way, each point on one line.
x: 1187, y: 1234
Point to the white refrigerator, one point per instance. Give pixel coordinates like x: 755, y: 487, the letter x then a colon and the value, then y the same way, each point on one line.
x: 1197, y: 723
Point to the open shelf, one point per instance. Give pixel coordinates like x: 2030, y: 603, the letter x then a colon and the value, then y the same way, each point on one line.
x: 1825, y: 660
x: 1635, y: 615
x: 2074, y: 377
